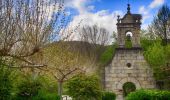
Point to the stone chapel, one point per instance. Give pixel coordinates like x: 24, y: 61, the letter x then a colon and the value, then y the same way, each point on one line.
x: 128, y: 64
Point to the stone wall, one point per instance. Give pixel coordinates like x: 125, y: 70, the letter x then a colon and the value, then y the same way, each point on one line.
x: 128, y: 65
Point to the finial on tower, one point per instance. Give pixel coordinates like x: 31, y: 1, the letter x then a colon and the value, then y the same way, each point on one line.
x: 128, y: 8
x: 118, y: 18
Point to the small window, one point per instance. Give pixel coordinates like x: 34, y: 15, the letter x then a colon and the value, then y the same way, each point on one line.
x: 128, y: 65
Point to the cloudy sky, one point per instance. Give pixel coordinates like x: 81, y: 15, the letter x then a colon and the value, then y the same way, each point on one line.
x: 104, y: 12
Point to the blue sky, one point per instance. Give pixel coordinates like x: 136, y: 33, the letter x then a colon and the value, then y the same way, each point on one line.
x: 104, y: 12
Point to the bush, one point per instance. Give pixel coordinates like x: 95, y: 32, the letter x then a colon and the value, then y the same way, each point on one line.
x: 34, y: 88
x: 149, y: 95
x: 45, y: 95
x: 28, y: 89
x: 108, y: 96
x: 5, y: 81
x: 83, y: 87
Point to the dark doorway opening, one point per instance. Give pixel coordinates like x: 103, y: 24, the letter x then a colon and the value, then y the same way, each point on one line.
x: 128, y: 87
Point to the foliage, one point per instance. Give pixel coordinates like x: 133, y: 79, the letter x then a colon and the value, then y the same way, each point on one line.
x: 157, y: 58
x: 108, y: 96
x: 45, y: 95
x: 5, y: 81
x: 28, y: 89
x: 83, y: 87
x: 128, y: 43
x: 146, y: 43
x: 149, y: 95
x: 107, y: 55
x: 34, y: 87
x: 156, y: 55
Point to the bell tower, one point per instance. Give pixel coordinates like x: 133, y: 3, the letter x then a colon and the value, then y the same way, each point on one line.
x: 130, y: 23
x: 128, y: 65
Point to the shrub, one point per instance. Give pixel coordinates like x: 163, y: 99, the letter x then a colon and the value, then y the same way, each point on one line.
x: 83, y: 87
x: 45, y: 95
x: 33, y: 89
x: 149, y: 95
x: 28, y: 89
x: 5, y: 81
x: 108, y: 96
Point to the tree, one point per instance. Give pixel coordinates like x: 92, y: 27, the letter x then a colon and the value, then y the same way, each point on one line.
x: 84, y: 87
x: 160, y: 23
x: 156, y: 57
x: 97, y: 37
x: 63, y: 62
x: 27, y: 25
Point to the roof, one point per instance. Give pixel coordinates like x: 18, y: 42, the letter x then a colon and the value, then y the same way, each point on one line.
x: 137, y: 16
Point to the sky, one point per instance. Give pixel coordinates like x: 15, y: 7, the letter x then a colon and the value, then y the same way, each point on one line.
x: 104, y: 12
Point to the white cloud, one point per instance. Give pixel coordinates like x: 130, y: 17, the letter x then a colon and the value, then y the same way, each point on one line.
x: 156, y: 3
x: 79, y: 5
x: 145, y: 10
x: 103, y: 18
x: 90, y: 8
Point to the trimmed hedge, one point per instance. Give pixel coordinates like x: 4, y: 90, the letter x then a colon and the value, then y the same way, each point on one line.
x: 108, y: 96
x: 149, y: 95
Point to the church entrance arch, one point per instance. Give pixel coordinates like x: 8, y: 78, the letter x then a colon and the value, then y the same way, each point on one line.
x: 128, y: 87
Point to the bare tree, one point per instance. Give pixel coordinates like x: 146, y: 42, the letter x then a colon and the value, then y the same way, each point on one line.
x: 27, y: 25
x: 160, y: 23
x: 96, y: 36
x: 63, y: 62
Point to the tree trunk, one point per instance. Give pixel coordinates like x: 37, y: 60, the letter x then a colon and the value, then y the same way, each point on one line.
x: 60, y: 89
x: 165, y: 34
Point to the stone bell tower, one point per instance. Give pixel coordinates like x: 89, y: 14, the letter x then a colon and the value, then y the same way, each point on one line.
x: 128, y: 65
x: 129, y: 23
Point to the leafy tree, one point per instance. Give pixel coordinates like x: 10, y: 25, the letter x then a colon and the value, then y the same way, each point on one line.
x: 84, y: 87
x: 156, y: 57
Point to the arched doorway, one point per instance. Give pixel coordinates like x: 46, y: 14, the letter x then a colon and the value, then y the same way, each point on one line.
x: 128, y: 87
x: 128, y: 41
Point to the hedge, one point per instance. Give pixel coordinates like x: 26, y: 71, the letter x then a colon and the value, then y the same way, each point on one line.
x: 149, y: 95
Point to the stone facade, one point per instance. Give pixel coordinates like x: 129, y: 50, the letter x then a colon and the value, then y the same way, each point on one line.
x: 128, y: 64
x: 118, y: 73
